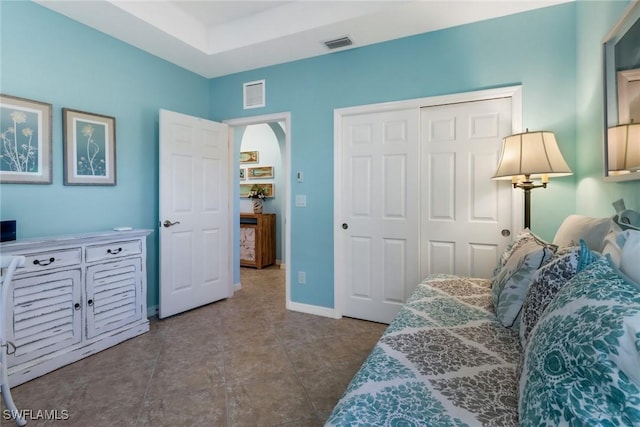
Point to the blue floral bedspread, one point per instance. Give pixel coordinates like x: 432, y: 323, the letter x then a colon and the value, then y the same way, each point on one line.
x: 445, y: 360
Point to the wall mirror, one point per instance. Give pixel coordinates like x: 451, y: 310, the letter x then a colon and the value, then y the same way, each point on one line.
x: 622, y: 98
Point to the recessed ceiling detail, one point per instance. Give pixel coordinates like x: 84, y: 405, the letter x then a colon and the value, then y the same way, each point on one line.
x: 219, y: 37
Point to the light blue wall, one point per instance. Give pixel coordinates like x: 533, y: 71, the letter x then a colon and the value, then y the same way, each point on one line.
x: 50, y: 58
x: 500, y: 52
x: 594, y: 196
x: 554, y: 53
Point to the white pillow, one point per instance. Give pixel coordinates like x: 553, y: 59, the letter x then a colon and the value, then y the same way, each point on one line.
x: 629, y: 240
x: 576, y: 227
x: 611, y: 245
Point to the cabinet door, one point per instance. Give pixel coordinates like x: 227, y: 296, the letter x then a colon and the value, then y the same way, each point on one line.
x: 113, y: 295
x: 248, y: 242
x: 45, y: 315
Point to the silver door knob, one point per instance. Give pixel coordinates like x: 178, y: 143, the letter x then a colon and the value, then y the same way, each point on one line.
x: 168, y: 223
x: 506, y: 232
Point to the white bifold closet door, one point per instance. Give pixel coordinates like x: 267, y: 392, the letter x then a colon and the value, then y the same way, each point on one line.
x: 380, y: 202
x: 414, y: 196
x: 466, y: 216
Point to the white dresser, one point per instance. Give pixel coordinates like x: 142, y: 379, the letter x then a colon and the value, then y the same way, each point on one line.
x: 75, y: 296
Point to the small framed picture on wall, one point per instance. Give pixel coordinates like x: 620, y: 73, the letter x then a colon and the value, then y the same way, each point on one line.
x: 249, y: 157
x: 260, y: 172
x: 25, y: 146
x: 89, y: 148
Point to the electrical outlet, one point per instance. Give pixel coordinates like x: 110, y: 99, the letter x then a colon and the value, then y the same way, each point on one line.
x: 302, y: 277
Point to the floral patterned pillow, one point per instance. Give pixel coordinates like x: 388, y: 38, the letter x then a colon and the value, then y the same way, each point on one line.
x: 523, y: 237
x: 582, y: 362
x: 548, y: 280
x: 545, y: 285
x: 509, y: 287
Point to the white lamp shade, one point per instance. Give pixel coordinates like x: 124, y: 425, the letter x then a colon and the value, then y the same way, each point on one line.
x: 623, y: 147
x: 531, y: 153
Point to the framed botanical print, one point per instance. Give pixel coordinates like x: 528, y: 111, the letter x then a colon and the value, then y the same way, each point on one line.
x: 260, y: 172
x: 89, y: 148
x: 25, y: 141
x: 249, y: 157
x: 267, y: 188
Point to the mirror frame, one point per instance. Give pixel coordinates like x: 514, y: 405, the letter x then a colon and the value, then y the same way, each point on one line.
x: 630, y: 16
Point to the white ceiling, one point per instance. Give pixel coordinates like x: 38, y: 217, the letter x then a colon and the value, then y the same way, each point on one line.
x: 215, y: 37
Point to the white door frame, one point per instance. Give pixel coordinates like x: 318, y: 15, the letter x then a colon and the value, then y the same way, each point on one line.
x: 513, y: 92
x: 267, y: 118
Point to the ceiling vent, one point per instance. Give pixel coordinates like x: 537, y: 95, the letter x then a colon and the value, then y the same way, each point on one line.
x: 253, y: 94
x: 338, y: 43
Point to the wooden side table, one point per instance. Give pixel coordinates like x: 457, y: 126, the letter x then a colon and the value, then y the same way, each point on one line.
x: 257, y: 240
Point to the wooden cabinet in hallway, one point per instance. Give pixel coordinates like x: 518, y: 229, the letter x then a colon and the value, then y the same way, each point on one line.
x: 257, y: 240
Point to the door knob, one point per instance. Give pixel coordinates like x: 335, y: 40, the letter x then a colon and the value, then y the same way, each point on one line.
x: 506, y: 232
x: 168, y: 223
x: 345, y: 226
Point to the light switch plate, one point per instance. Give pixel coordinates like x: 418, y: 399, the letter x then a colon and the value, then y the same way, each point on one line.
x: 301, y: 200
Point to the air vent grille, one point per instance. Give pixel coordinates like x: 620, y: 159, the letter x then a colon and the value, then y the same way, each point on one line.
x: 253, y: 94
x: 338, y: 43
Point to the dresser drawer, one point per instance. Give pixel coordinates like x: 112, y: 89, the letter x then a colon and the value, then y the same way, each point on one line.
x: 113, y: 250
x: 50, y: 259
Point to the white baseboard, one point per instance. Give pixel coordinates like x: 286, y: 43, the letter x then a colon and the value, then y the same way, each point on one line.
x: 237, y: 286
x: 293, y: 306
x: 313, y: 309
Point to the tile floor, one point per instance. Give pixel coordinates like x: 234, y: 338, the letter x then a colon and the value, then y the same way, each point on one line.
x: 245, y: 361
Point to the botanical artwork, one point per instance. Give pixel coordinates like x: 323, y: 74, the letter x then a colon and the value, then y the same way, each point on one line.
x: 89, y: 148
x: 267, y: 189
x: 260, y: 172
x: 90, y: 153
x: 249, y: 157
x: 25, y: 141
x: 245, y: 190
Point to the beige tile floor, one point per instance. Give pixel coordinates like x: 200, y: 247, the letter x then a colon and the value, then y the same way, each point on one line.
x: 245, y: 361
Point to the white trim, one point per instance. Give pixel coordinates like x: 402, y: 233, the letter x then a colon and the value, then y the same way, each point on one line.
x: 237, y: 286
x: 624, y: 23
x: 513, y: 92
x: 629, y: 17
x: 313, y: 309
x: 286, y: 118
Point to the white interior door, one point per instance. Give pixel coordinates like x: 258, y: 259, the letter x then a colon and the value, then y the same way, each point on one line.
x: 195, y: 230
x: 466, y: 216
x: 377, y: 213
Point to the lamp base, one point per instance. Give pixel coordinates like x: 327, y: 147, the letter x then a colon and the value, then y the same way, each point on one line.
x: 527, y: 185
